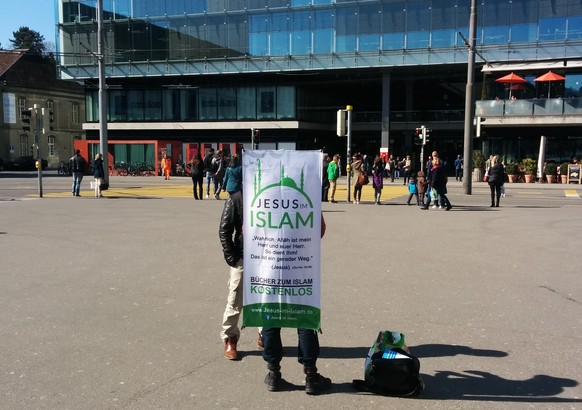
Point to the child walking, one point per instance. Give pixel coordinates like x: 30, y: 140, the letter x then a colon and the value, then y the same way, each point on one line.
x: 412, y: 190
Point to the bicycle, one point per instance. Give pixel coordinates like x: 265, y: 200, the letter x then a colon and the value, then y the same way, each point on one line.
x: 64, y: 169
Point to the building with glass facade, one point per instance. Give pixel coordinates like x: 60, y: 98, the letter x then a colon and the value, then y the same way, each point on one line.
x: 208, y: 71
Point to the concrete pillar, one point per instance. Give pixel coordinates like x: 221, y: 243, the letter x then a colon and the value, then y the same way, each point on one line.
x: 385, y: 140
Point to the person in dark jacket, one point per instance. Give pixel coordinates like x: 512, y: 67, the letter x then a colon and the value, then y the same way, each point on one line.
x: 98, y: 174
x: 231, y: 239
x: 77, y: 163
x: 438, y: 182
x: 233, y: 176
x: 496, y: 180
x: 197, y: 174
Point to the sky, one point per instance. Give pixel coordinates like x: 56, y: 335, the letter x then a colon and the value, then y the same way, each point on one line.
x: 38, y: 15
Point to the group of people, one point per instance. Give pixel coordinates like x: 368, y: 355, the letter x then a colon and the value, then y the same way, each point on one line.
x: 224, y: 174
x: 78, y: 165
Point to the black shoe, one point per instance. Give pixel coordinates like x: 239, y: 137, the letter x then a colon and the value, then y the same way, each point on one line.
x: 273, y: 380
x: 492, y: 205
x: 449, y: 206
x: 316, y: 383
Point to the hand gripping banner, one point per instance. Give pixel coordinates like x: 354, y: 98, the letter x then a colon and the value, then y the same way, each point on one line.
x: 282, y: 238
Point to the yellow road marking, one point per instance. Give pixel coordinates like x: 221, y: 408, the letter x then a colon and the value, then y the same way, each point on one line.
x: 185, y: 191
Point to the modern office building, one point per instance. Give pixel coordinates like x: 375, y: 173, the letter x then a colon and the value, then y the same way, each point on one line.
x: 206, y: 72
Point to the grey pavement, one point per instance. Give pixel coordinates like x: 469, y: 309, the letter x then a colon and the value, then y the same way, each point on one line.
x: 116, y: 303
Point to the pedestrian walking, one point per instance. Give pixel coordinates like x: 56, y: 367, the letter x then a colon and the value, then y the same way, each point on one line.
x: 197, y: 175
x: 377, y: 179
x: 496, y: 180
x: 98, y: 174
x: 77, y: 165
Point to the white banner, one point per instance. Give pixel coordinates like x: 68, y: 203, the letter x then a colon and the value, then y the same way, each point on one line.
x: 282, y: 238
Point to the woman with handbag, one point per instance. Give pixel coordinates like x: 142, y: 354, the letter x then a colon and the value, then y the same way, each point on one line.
x: 496, y: 179
x: 358, y: 178
x: 98, y: 174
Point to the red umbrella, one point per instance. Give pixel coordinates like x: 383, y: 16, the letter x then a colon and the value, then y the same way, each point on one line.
x: 548, y: 77
x: 511, y: 78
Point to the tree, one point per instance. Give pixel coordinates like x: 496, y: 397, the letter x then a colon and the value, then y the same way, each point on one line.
x: 28, y: 39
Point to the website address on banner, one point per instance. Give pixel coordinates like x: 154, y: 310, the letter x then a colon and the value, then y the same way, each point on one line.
x: 279, y: 311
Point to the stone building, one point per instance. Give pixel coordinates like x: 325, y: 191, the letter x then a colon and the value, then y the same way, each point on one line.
x: 27, y: 80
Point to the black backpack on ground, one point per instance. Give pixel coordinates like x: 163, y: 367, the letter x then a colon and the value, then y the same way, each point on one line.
x: 392, y: 373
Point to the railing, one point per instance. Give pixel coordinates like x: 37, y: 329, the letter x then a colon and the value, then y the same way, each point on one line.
x: 538, y: 106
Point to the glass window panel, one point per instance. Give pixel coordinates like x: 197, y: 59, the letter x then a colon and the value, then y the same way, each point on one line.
x: 236, y: 5
x: 443, y: 14
x: 285, y: 102
x: 280, y: 44
x: 392, y: 41
x: 24, y: 149
x: 227, y: 103
x: 369, y: 20
x: 136, y: 152
x: 300, y: 2
x: 208, y: 104
x: 495, y: 34
x: 117, y: 106
x: 258, y: 23
x: 135, y: 105
x: 256, y: 4
x: 495, y: 12
x: 552, y: 29
x: 553, y: 8
x: 443, y: 38
x: 369, y: 42
x: 51, y: 145
x: 417, y: 39
x: 188, y: 104
x: 301, y: 42
x: 574, y: 27
x: 323, y: 1
x: 171, y: 105
x: 524, y: 11
x: 323, y: 19
x: 301, y: 20
x: 345, y: 44
x: 573, y: 85
x: 392, y: 18
x: 153, y: 105
x: 279, y: 22
x: 346, y: 21
x: 216, y: 35
x: 258, y: 44
x: 246, y: 103
x: 120, y: 153
x: 323, y: 41
x: 524, y: 33
x: 237, y: 34
x: 266, y: 103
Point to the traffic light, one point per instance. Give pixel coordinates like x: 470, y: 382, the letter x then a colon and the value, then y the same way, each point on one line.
x: 418, y: 133
x: 47, y: 121
x: 257, y: 135
x: 425, y: 134
x: 27, y: 119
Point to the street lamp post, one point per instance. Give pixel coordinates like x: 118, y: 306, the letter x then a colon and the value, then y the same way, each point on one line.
x: 469, y: 102
x: 103, y: 140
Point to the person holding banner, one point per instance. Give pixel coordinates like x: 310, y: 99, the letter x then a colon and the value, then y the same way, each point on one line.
x: 307, y: 352
x: 230, y: 234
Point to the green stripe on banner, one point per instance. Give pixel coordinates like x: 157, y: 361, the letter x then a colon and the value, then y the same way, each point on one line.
x: 281, y: 315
